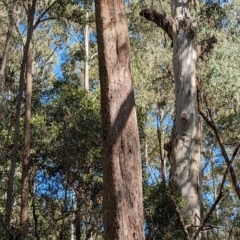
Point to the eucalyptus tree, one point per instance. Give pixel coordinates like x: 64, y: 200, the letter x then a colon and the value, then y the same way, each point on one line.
x: 25, y: 63
x: 122, y: 177
x: 185, y: 143
x: 37, y: 13
x: 198, y: 95
x: 12, y: 19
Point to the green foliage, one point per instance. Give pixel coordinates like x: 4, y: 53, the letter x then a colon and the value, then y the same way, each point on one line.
x: 161, y: 220
x: 71, y: 148
x: 66, y: 156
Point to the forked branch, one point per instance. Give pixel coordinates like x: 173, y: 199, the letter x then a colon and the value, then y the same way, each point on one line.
x: 161, y: 20
x: 221, y: 195
x: 180, y: 218
x: 210, y: 122
x: 165, y: 23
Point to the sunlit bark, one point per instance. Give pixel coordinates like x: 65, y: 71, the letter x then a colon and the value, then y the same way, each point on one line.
x: 122, y: 176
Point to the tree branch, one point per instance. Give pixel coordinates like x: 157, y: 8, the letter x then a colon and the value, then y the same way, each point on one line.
x: 161, y: 20
x: 47, y: 19
x: 210, y: 122
x: 43, y: 13
x: 180, y: 218
x: 219, y: 198
x: 205, y: 46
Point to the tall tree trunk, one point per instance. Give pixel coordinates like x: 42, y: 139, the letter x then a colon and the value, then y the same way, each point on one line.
x: 9, y: 201
x: 86, y: 48
x: 27, y: 139
x: 185, y: 144
x: 8, y: 43
x: 187, y: 131
x: 122, y: 175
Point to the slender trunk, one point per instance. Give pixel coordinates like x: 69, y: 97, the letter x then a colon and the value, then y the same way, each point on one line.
x: 34, y: 207
x: 78, y: 218
x: 73, y: 215
x: 27, y: 139
x: 78, y: 229
x: 64, y: 211
x: 72, y: 229
x: 86, y: 65
x: 9, y: 201
x: 187, y: 131
x: 161, y: 155
x: 8, y: 43
x: 78, y: 225
x: 122, y: 175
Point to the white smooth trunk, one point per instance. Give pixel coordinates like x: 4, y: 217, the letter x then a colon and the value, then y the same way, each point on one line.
x: 187, y: 131
x: 86, y: 65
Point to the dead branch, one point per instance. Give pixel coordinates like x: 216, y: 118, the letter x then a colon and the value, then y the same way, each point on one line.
x: 205, y: 46
x: 221, y: 195
x: 210, y: 122
x: 180, y: 218
x: 161, y: 20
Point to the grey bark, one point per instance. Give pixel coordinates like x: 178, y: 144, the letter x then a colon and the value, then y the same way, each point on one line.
x: 185, y: 144
x: 186, y: 135
x: 187, y: 131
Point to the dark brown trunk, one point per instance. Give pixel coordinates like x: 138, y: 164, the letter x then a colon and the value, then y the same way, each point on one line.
x: 34, y: 212
x: 10, y: 185
x: 7, y: 44
x: 78, y: 228
x: 122, y: 175
x: 78, y: 220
